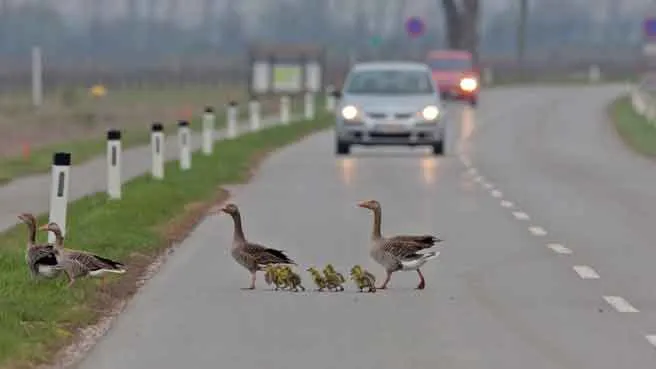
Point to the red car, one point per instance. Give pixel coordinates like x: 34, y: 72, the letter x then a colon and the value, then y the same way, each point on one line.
x: 455, y: 74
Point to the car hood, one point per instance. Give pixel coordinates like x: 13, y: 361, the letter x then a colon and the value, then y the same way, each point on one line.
x: 390, y: 103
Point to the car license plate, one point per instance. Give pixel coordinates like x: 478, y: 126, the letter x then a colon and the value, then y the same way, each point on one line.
x: 391, y: 127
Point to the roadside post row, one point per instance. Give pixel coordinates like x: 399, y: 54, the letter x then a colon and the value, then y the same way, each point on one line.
x: 61, y: 162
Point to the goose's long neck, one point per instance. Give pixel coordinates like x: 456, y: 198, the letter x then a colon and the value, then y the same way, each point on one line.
x: 238, y: 234
x: 59, y: 239
x: 31, y: 234
x: 375, y: 232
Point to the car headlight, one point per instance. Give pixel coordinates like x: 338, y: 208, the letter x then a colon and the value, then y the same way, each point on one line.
x: 349, y: 112
x: 468, y: 84
x: 430, y: 112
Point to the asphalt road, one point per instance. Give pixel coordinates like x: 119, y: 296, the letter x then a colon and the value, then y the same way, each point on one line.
x: 546, y: 261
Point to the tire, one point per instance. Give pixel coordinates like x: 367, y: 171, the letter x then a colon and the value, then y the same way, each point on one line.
x: 342, y: 148
x: 438, y: 148
x: 473, y: 101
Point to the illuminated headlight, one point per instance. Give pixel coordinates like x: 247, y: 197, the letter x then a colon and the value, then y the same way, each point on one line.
x: 349, y: 112
x: 468, y: 84
x: 430, y: 112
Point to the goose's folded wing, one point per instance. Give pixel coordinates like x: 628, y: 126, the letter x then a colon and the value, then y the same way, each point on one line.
x: 264, y: 255
x: 402, y: 249
x: 42, y: 253
x: 426, y: 241
x: 94, y: 262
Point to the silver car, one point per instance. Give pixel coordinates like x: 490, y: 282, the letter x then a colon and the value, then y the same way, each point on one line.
x: 389, y: 103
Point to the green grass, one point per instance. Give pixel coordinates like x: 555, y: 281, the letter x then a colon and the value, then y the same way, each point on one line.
x: 635, y: 130
x: 36, y: 318
x: 40, y: 160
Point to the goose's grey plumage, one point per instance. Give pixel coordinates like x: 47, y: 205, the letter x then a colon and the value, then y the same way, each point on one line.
x: 40, y: 258
x: 398, y: 252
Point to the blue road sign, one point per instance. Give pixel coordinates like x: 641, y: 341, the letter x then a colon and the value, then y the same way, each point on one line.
x: 414, y: 26
x: 649, y: 27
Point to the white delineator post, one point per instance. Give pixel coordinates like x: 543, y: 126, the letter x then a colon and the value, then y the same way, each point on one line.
x: 330, y: 98
x: 231, y: 118
x: 114, y: 164
x: 209, y: 123
x: 61, y: 164
x: 254, y: 113
x: 37, y: 76
x: 184, y: 138
x: 309, y: 105
x: 284, y: 109
x: 157, y: 149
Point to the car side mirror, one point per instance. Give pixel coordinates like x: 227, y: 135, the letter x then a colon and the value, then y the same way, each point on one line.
x: 337, y: 94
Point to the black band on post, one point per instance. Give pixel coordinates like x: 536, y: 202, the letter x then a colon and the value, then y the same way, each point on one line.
x: 157, y: 127
x: 61, y: 159
x: 209, y: 109
x: 232, y: 103
x: 113, y: 135
x: 183, y: 123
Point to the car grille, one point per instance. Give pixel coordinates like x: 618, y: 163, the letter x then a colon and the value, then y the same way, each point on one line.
x: 402, y: 115
x: 377, y: 115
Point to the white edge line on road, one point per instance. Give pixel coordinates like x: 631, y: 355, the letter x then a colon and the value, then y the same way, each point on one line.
x: 560, y: 249
x: 506, y: 204
x: 496, y: 193
x: 620, y: 304
x: 520, y: 215
x: 651, y: 339
x: 537, y: 231
x: 586, y: 272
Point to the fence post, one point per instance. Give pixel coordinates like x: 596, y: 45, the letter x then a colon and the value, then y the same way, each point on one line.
x: 254, y: 113
x: 157, y: 148
x: 309, y: 105
x: 232, y: 118
x: 114, y: 164
x: 284, y: 109
x: 209, y: 123
x: 61, y: 163
x: 184, y: 138
x: 330, y: 98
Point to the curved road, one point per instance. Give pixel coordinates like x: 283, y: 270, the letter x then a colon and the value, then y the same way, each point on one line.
x: 549, y: 229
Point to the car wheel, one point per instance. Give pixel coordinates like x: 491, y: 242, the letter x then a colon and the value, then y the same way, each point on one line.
x: 438, y: 148
x: 342, y: 148
x: 473, y: 101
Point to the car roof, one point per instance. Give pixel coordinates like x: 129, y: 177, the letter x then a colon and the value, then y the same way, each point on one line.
x: 381, y: 65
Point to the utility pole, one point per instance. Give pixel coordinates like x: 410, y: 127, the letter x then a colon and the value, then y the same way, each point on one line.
x: 521, y: 31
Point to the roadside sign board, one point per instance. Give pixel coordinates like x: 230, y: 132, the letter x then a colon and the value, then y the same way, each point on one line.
x: 649, y: 27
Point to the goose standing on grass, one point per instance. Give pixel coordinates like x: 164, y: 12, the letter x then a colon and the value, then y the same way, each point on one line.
x: 77, y: 263
x: 40, y: 258
x: 398, y: 252
x: 252, y: 256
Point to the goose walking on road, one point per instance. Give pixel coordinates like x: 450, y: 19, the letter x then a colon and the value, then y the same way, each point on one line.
x: 398, y: 252
x: 252, y: 256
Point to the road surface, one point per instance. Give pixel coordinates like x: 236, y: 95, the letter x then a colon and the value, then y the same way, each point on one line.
x: 546, y: 263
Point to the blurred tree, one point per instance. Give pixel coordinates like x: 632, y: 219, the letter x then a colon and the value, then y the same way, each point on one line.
x: 462, y: 19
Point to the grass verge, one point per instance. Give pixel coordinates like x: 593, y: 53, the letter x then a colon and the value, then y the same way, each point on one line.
x: 40, y: 160
x: 636, y: 131
x: 39, y: 318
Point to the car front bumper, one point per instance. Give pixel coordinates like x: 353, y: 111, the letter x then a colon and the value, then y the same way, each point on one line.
x: 361, y: 134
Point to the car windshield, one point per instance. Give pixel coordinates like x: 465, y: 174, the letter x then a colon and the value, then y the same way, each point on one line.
x: 450, y: 64
x: 390, y: 82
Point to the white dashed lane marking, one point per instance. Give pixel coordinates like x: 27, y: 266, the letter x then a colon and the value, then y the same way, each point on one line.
x: 488, y: 186
x: 520, y: 215
x: 586, y: 272
x: 651, y: 339
x: 506, y: 204
x: 620, y: 304
x: 559, y: 249
x: 537, y: 231
x: 478, y: 179
x: 496, y: 193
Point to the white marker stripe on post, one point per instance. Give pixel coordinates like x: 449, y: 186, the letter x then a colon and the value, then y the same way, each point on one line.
x: 284, y: 109
x: 232, y: 118
x: 157, y: 149
x: 184, y: 138
x: 209, y: 123
x: 114, y: 164
x: 254, y: 113
x: 61, y: 164
x: 620, y: 304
